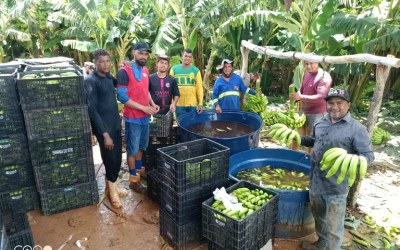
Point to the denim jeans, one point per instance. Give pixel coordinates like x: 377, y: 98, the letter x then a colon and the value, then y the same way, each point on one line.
x: 180, y: 110
x: 137, y: 137
x: 329, y: 212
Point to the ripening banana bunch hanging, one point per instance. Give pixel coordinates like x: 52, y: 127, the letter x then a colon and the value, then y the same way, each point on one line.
x: 256, y: 103
x: 284, y: 134
x: 380, y: 136
x: 337, y: 159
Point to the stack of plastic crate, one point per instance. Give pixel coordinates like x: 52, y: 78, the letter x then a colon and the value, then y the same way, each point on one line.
x: 189, y: 172
x: 58, y: 130
x: 161, y: 135
x: 18, y: 192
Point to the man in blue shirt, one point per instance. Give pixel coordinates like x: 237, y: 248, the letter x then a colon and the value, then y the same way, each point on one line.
x: 227, y: 89
x: 327, y: 198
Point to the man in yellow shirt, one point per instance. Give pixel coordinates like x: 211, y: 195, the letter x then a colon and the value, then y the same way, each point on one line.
x: 190, y: 85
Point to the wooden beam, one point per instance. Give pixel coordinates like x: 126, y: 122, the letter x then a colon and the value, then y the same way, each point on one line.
x: 358, y: 58
x: 245, y: 60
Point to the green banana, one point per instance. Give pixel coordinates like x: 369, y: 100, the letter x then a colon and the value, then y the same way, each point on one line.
x: 278, y: 125
x: 363, y: 166
x: 290, y: 138
x: 343, y: 169
x: 283, y: 137
x: 335, y: 154
x: 335, y: 166
x: 327, y: 152
x: 353, y: 170
x: 279, y: 132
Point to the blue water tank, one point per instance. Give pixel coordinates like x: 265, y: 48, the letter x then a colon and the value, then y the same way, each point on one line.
x: 294, y: 213
x: 236, y: 144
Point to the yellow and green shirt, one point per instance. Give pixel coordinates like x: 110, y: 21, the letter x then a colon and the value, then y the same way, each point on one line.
x: 190, y: 85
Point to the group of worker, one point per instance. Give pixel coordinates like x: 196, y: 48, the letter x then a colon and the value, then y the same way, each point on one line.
x: 180, y: 90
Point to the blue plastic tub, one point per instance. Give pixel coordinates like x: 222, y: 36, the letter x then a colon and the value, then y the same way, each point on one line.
x: 236, y: 144
x: 294, y: 213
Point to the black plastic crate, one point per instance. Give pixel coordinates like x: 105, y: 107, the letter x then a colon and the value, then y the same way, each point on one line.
x: 14, y: 222
x: 153, y: 185
x: 8, y: 91
x: 53, y: 67
x: 251, y: 232
x: 20, y: 200
x: 16, y: 176
x: 184, y: 207
x: 23, y: 239
x: 193, y: 164
x: 64, y: 173
x: 11, y: 121
x: 161, y: 124
x: 63, y: 199
x: 180, y: 237
x: 52, y: 122
x: 150, y: 156
x: 61, y: 148
x: 13, y: 149
x: 50, y: 92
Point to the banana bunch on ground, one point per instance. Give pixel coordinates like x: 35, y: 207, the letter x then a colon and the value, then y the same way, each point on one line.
x: 251, y: 201
x: 255, y: 103
x: 284, y: 134
x: 380, y: 136
x: 338, y: 158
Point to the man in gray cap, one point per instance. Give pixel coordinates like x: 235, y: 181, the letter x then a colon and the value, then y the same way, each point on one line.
x: 227, y: 89
x: 327, y: 198
x: 133, y: 92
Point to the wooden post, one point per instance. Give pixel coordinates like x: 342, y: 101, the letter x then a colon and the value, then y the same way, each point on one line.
x: 382, y: 74
x: 245, y: 60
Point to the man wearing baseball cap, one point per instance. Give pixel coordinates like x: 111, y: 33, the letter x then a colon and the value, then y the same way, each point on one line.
x: 337, y: 129
x: 227, y: 89
x: 133, y: 92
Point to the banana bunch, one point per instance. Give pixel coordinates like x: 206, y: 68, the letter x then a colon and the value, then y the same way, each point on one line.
x: 251, y: 201
x: 338, y: 158
x: 284, y: 134
x: 293, y: 121
x: 380, y: 136
x: 255, y: 103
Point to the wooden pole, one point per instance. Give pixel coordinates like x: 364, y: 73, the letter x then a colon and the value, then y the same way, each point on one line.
x: 382, y: 74
x: 245, y: 60
x: 358, y: 58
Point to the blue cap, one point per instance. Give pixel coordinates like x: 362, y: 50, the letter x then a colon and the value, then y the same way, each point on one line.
x: 142, y: 46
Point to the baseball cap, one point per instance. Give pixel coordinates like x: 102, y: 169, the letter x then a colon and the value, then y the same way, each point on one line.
x: 342, y: 93
x: 163, y: 57
x: 223, y: 63
x: 141, y: 46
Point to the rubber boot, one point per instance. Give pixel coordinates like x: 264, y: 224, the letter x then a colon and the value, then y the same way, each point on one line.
x: 121, y: 192
x: 142, y: 172
x: 113, y: 194
x: 135, y: 184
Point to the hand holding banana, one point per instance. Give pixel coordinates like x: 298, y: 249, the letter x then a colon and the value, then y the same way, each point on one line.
x: 284, y: 134
x: 338, y: 158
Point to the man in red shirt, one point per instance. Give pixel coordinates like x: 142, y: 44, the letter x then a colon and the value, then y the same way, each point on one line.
x: 314, y: 88
x: 133, y: 92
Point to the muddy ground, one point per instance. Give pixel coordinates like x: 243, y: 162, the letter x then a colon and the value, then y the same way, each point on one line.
x: 101, y: 227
